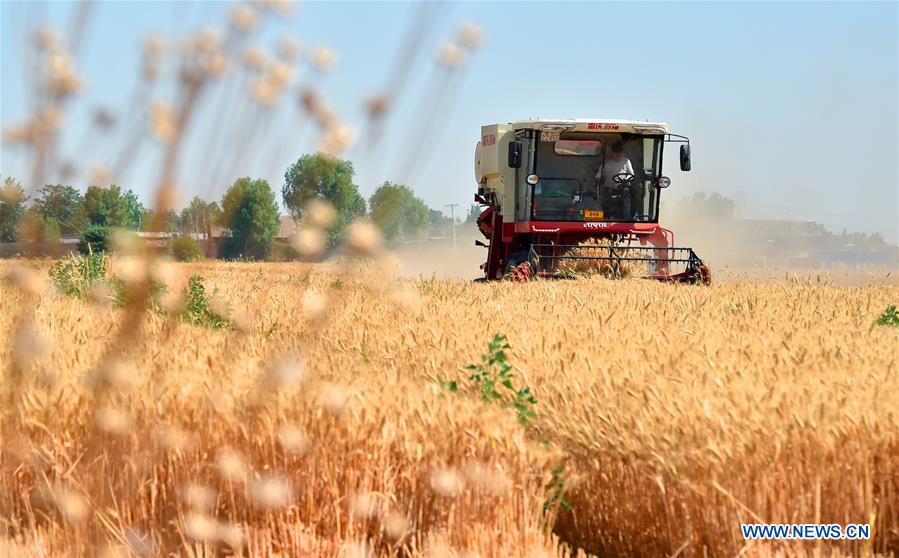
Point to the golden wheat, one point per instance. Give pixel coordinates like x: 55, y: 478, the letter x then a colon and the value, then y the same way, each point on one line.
x: 319, y: 427
x: 612, y: 267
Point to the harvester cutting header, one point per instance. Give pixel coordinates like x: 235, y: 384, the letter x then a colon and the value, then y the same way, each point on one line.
x: 567, y: 191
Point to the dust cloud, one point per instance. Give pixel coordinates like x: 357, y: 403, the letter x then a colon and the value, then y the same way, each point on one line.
x: 442, y: 260
x: 732, y: 260
x: 736, y: 250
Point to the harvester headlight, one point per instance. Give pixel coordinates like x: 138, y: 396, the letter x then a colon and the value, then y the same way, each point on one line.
x: 533, y: 179
x: 664, y: 182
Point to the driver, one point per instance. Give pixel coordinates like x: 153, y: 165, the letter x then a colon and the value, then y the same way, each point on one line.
x: 616, y: 164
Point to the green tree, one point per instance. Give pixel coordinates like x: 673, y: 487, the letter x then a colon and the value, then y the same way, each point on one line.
x: 326, y: 178
x: 104, y: 206
x: 63, y: 204
x: 186, y: 249
x: 94, y: 238
x: 112, y: 207
x: 12, y: 209
x: 250, y: 214
x: 402, y: 216
x: 132, y: 211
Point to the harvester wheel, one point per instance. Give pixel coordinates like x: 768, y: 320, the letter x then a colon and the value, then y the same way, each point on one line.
x: 704, y: 274
x: 519, y: 269
x: 521, y: 273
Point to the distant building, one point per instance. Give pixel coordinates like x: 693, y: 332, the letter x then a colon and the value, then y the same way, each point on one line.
x: 287, y: 226
x: 806, y: 244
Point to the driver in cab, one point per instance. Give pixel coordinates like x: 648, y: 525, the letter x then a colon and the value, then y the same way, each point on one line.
x: 616, y: 164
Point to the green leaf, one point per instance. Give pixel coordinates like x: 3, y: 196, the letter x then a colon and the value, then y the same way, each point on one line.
x: 449, y: 385
x: 890, y: 317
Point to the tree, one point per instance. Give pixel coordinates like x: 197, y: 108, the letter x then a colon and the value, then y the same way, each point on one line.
x: 326, y: 178
x: 37, y: 228
x: 146, y: 220
x: 473, y: 213
x: 186, y: 249
x: 199, y: 216
x: 111, y: 207
x: 12, y: 209
x: 440, y: 221
x: 703, y: 206
x: 63, y: 204
x: 439, y: 218
x: 99, y: 204
x: 214, y: 212
x: 401, y: 215
x: 171, y: 221
x: 132, y: 211
x: 250, y: 214
x: 94, y: 238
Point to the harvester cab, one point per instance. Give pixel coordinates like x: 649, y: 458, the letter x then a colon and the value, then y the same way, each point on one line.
x: 559, y: 195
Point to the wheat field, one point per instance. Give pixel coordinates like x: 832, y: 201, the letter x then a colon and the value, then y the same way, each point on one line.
x: 322, y: 423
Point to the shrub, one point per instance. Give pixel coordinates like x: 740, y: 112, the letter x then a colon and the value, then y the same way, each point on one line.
x: 94, y: 238
x: 282, y: 252
x: 186, y: 249
x: 493, y: 378
x: 197, y: 308
x: 494, y: 373
x: 76, y: 275
x: 890, y: 317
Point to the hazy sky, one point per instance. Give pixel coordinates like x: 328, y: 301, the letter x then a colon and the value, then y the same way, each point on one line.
x: 791, y: 108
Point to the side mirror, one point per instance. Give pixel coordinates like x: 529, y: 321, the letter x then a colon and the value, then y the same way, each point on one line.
x: 685, y: 157
x: 514, y: 154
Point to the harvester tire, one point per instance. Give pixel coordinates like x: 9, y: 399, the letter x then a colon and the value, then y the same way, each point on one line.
x: 521, y: 273
x: 704, y: 274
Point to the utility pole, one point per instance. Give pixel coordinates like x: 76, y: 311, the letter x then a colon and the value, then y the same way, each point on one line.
x: 452, y: 207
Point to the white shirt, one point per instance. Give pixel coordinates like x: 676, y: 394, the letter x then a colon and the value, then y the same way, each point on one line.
x: 613, y: 167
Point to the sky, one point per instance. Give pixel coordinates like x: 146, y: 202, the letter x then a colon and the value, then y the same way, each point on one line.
x: 791, y: 108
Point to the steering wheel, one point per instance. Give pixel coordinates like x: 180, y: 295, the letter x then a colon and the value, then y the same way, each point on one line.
x: 623, y: 178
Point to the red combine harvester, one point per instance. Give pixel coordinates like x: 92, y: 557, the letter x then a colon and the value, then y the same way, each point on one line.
x: 558, y: 191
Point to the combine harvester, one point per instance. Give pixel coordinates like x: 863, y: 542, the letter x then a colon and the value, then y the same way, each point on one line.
x: 558, y: 192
